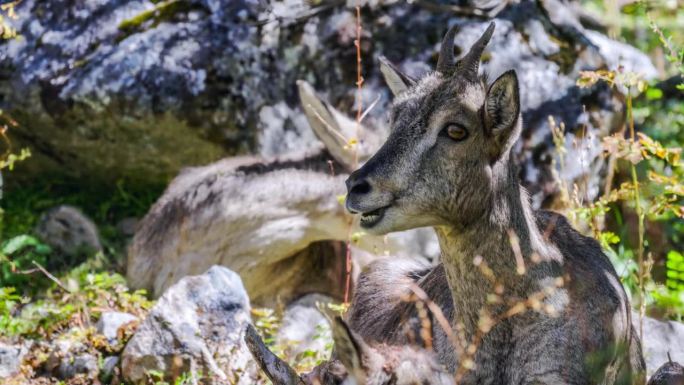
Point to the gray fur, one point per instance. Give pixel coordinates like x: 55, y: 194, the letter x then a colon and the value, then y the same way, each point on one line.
x: 468, y: 191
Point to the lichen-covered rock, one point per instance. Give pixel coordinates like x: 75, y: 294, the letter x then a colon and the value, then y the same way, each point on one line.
x: 140, y: 88
x: 196, y: 327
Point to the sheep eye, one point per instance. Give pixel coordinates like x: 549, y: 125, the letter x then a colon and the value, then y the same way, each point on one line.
x: 456, y: 132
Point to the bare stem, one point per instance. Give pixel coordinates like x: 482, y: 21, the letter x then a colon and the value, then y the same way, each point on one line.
x: 359, y: 117
x: 640, y: 216
x: 52, y: 277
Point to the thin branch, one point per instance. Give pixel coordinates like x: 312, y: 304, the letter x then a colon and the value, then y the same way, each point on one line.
x: 52, y: 277
x: 370, y: 107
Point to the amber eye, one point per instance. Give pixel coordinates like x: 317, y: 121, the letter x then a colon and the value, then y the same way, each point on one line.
x: 456, y: 132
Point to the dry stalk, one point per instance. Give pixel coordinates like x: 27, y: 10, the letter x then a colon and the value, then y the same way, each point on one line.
x: 419, y: 295
x: 50, y: 276
x: 359, y: 116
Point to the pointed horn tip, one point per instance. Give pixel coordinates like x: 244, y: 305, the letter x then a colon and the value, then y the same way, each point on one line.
x: 445, y: 62
x: 451, y: 31
x: 490, y: 30
x: 448, y: 40
x: 482, y: 42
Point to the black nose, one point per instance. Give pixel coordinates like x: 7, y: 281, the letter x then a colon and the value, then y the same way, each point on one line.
x: 357, y: 184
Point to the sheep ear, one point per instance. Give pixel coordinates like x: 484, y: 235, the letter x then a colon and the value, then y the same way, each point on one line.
x: 330, y: 126
x: 396, y: 80
x: 502, y: 113
x: 349, y: 347
x: 336, y: 130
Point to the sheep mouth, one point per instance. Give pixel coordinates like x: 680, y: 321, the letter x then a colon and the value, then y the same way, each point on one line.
x: 372, y: 218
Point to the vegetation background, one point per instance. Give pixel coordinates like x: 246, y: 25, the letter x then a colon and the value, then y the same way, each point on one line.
x: 639, y: 218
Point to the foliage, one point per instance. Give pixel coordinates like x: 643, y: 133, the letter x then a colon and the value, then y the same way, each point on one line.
x: 632, y: 21
x: 7, y: 12
x: 157, y: 378
x: 654, y: 191
x: 75, y: 300
x: 9, y: 301
x: 644, y: 195
x: 17, y: 258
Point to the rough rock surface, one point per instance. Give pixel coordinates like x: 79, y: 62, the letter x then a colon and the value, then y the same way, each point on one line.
x: 81, y: 364
x: 11, y: 357
x: 109, y: 365
x: 196, y: 326
x: 68, y: 358
x: 69, y: 231
x: 304, y: 327
x: 109, y: 323
x: 661, y: 338
x: 140, y: 88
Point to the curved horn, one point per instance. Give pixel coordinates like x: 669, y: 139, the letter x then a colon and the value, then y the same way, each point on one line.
x: 470, y: 63
x: 445, y: 62
x: 277, y: 370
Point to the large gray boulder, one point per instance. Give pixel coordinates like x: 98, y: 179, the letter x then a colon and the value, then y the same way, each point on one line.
x: 661, y: 338
x: 140, y: 88
x: 196, y: 327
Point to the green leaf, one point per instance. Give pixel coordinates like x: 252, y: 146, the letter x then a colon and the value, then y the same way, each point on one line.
x: 18, y: 243
x: 654, y: 93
